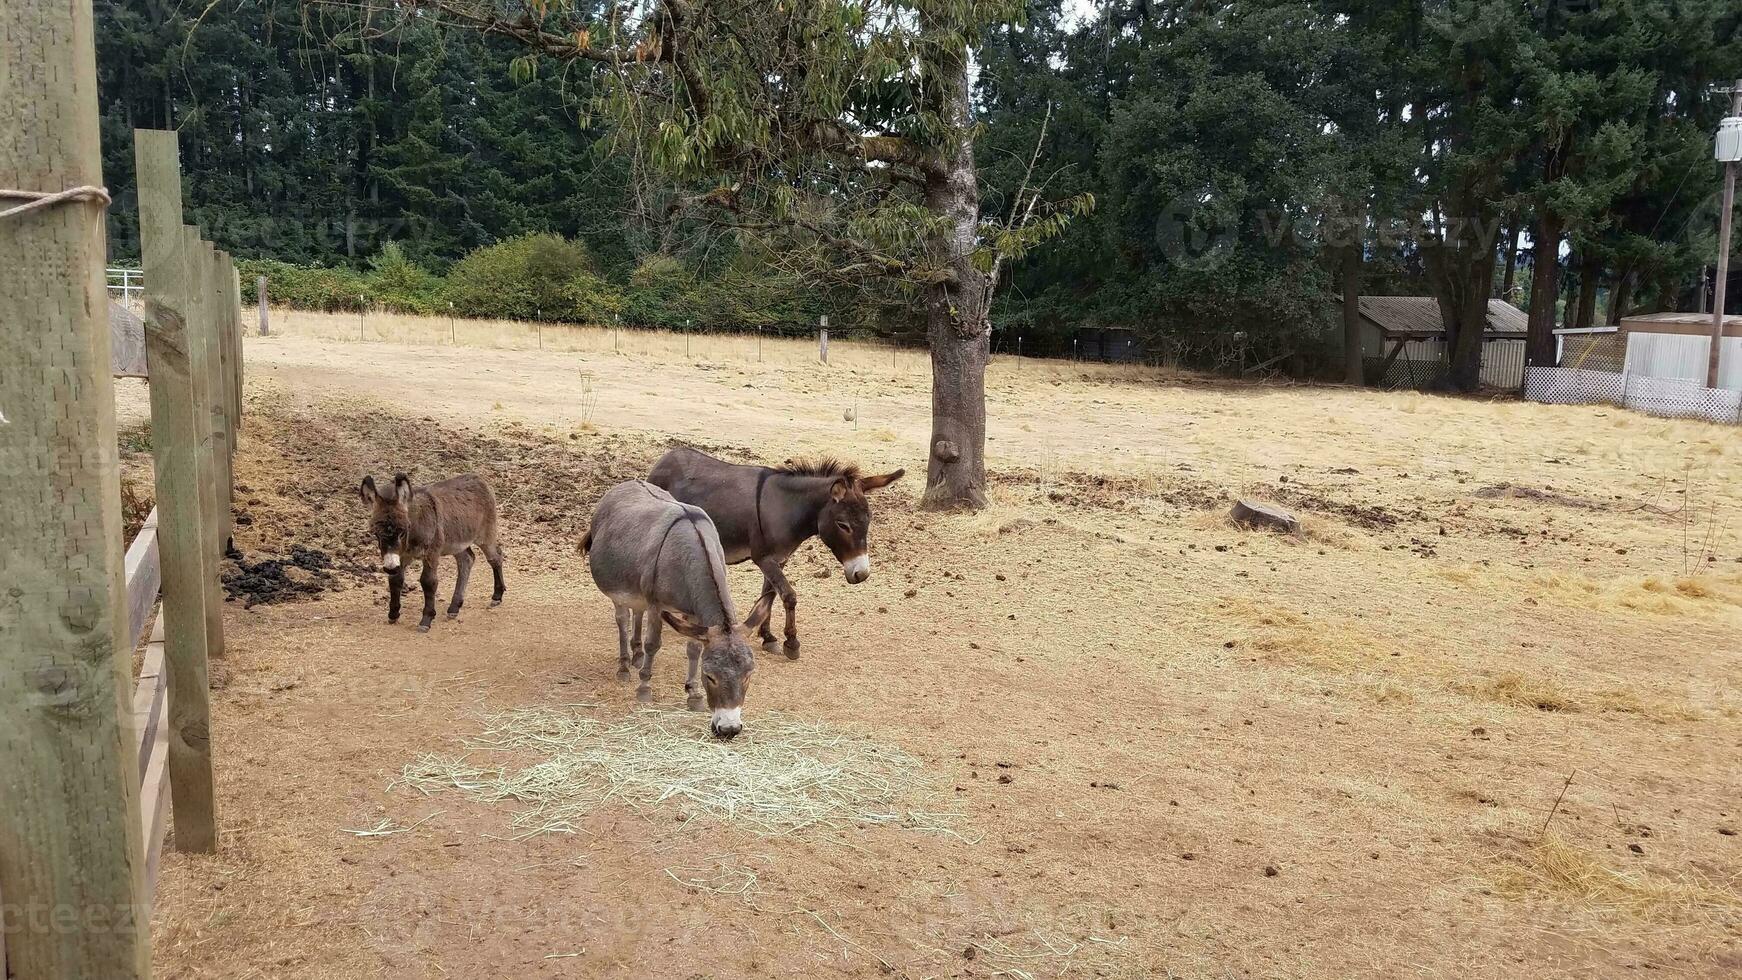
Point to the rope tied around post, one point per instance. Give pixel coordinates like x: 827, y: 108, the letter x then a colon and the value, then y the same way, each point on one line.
x: 43, y: 199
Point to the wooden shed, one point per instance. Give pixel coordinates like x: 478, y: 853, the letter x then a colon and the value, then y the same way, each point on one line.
x: 1403, y: 342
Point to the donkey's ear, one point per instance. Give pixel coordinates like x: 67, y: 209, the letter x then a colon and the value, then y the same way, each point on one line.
x: 367, y: 491
x: 875, y: 482
x: 402, y: 487
x: 683, y: 624
x: 759, y: 613
x: 839, y: 490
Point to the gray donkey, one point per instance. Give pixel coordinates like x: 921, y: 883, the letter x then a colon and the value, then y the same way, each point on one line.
x: 649, y: 553
x: 764, y: 513
x: 445, y: 518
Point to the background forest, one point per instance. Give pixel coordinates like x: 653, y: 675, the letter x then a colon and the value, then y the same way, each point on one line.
x: 1251, y: 162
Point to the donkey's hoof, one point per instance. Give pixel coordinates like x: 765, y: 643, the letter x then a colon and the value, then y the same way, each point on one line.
x: 392, y: 619
x: 791, y: 648
x: 623, y: 673
x: 423, y: 628
x: 454, y: 615
x: 694, y: 703
x: 644, y: 694
x: 771, y: 645
x: 495, y: 602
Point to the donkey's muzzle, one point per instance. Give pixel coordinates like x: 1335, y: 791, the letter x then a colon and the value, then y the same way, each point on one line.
x: 727, y: 723
x: 856, y: 569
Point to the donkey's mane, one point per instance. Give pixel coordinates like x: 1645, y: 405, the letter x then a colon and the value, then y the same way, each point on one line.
x: 820, y: 466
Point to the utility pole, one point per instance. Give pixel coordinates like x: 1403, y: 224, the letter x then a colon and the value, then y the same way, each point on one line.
x: 1728, y: 150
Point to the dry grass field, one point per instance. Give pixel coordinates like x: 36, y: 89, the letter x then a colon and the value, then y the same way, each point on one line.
x: 1149, y: 743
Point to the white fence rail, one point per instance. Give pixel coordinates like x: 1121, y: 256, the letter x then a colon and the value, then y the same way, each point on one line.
x: 1668, y: 397
x: 126, y: 286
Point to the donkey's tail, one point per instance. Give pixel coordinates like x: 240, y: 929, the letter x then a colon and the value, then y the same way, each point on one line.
x: 586, y: 544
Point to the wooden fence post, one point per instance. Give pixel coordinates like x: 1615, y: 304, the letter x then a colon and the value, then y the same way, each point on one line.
x: 260, y: 293
x: 229, y: 321
x: 226, y: 333
x: 208, y: 448
x: 177, y: 458
x: 229, y: 343
x: 234, y: 287
x: 205, y: 324
x: 70, y: 838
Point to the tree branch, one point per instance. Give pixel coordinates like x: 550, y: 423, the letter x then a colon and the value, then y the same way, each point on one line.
x: 1016, y: 202
x: 829, y: 135
x: 529, y: 34
x: 673, y: 21
x: 726, y: 200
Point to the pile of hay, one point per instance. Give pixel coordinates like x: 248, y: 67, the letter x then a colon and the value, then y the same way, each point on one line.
x: 782, y: 777
x: 1556, y: 866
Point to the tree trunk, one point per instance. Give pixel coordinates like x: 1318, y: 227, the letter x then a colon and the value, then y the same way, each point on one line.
x: 1589, y: 271
x: 1571, y: 277
x: 958, y: 329
x: 1511, y: 274
x: 1466, y: 322
x: 956, y: 470
x: 1668, y: 295
x: 1544, y: 289
x: 1353, y: 259
x: 1461, y: 270
x: 1619, y: 296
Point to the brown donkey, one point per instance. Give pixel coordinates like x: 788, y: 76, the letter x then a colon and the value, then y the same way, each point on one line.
x: 425, y: 523
x: 764, y: 513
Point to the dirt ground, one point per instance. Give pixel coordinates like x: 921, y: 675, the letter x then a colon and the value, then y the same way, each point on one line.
x: 1177, y: 748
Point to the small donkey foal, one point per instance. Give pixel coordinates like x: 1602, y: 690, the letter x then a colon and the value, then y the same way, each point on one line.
x: 425, y: 523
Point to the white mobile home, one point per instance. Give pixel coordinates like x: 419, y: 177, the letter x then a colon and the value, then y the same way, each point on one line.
x: 1676, y: 346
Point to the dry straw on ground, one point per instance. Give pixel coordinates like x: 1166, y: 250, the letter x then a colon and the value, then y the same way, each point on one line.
x: 1545, y: 694
x: 721, y: 876
x: 864, y: 353
x: 783, y: 777
x: 1060, y: 628
x: 1556, y: 866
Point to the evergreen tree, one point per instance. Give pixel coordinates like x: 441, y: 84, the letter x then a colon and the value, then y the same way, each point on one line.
x: 311, y: 135
x: 1253, y: 158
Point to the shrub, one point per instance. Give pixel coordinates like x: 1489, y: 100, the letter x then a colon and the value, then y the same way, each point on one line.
x: 548, y: 277
x: 750, y: 293
x: 592, y: 299
x: 304, y: 287
x: 522, y: 278
x: 401, y: 285
x: 661, y: 293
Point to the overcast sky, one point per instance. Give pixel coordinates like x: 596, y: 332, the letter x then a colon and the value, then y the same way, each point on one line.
x: 1077, y: 11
